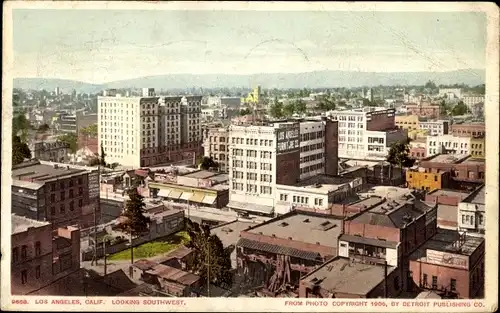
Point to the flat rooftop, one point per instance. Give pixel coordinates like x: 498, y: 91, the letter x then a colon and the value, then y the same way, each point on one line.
x: 448, y: 158
x: 341, y: 276
x: 229, y: 233
x: 450, y: 241
x: 304, y: 228
x: 450, y: 193
x: 473, y: 161
x: 477, y: 197
x: 389, y: 192
x: 33, y: 171
x: 323, y: 182
x: 21, y: 224
x: 26, y: 184
x: 202, y: 174
x: 392, y: 213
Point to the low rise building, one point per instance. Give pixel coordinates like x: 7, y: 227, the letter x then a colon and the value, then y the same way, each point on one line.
x: 41, y: 256
x: 418, y: 148
x: 423, y: 179
x: 450, y: 264
x: 448, y: 144
x: 292, y: 245
x: 478, y: 147
x: 408, y: 122
x: 424, y: 109
x: 471, y: 100
x: 50, y: 150
x: 471, y: 212
x: 435, y: 127
x: 468, y: 129
x: 345, y: 278
x: 447, y: 201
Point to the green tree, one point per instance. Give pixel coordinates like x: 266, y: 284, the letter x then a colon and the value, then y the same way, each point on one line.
x: 289, y: 109
x: 460, y: 109
x: 135, y: 222
x: 325, y: 104
x: 20, y: 126
x: 245, y: 111
x: 211, y: 261
x: 276, y: 110
x: 300, y: 107
x: 399, y: 155
x: 20, y: 150
x: 71, y: 139
x: 90, y: 130
x: 208, y: 163
x: 430, y: 84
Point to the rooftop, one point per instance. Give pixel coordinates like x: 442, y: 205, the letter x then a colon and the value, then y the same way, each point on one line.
x: 388, y: 192
x: 473, y: 161
x: 229, y: 233
x: 477, y: 196
x: 447, y: 158
x: 342, y: 276
x: 33, y: 171
x: 21, y: 224
x: 450, y: 241
x: 202, y: 174
x: 393, y: 213
x: 302, y: 227
x: 324, y: 183
x: 173, y: 274
x: 449, y: 193
x: 26, y: 184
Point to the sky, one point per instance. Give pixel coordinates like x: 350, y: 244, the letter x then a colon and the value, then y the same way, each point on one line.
x: 109, y: 45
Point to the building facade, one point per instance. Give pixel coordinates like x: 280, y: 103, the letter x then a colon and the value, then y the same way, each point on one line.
x: 216, y: 146
x: 469, y: 130
x: 438, y: 127
x: 149, y: 130
x: 408, y: 122
x: 471, y: 100
x: 50, y: 150
x: 424, y: 109
x: 471, y: 212
x: 478, y: 147
x: 424, y: 180
x: 448, y: 144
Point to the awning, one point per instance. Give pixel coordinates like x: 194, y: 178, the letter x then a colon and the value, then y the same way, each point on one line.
x: 164, y: 193
x: 250, y: 207
x: 186, y: 196
x: 209, y: 199
x: 197, y: 197
x: 175, y: 194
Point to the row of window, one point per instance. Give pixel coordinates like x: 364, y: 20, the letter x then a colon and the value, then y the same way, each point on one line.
x: 252, y: 176
x: 63, y: 194
x: 313, y: 157
x: 62, y: 207
x: 311, y: 168
x: 350, y: 125
x: 252, y: 188
x: 350, y: 132
x: 350, y: 139
x: 469, y: 220
x: 312, y: 136
x: 312, y: 147
x: 348, y: 118
x: 24, y: 252
x: 250, y: 141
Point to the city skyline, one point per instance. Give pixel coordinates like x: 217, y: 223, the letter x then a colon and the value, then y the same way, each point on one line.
x: 102, y: 46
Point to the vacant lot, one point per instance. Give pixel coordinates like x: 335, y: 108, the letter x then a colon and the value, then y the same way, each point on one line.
x: 153, y: 248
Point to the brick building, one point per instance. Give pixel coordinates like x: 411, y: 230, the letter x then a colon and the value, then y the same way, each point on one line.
x: 424, y: 110
x: 469, y: 130
x: 425, y: 180
x: 55, y: 193
x: 278, y: 252
x: 447, y: 201
x: 465, y: 170
x: 451, y: 264
x: 387, y: 231
x: 41, y: 256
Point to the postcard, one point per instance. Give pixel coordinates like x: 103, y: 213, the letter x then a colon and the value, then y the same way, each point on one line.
x: 250, y: 156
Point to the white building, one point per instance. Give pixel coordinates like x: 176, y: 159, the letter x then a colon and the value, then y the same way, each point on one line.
x: 471, y: 100
x: 451, y: 92
x: 448, y: 144
x: 366, y: 133
x: 471, y: 212
x: 439, y: 127
x: 211, y: 113
x: 144, y: 131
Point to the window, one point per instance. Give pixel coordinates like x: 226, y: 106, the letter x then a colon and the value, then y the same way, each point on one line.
x: 80, y: 191
x: 453, y: 284
x: 52, y: 198
x: 80, y: 203
x: 37, y: 272
x: 434, y: 282
x: 15, y: 254
x: 71, y: 206
x: 396, y: 282
x: 71, y: 193
x: 435, y: 178
x: 24, y: 277
x: 424, y: 280
x: 62, y: 209
x: 38, y: 248
x: 24, y: 252
x: 61, y: 185
x: 62, y: 195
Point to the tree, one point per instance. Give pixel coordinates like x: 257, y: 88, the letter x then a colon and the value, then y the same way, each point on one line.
x: 460, y: 109
x: 90, y: 131
x: 20, y: 150
x: 430, y: 85
x: 399, y: 155
x: 135, y: 222
x: 211, y: 261
x: 325, y: 104
x: 289, y: 109
x: 300, y: 107
x: 276, y: 110
x: 208, y: 163
x: 20, y: 126
x: 71, y: 140
x: 245, y: 111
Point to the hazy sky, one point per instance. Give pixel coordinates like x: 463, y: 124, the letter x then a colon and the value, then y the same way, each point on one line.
x: 102, y: 46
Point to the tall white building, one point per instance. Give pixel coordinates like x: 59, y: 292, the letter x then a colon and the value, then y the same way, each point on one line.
x: 470, y: 101
x: 366, y: 133
x: 448, y: 144
x: 439, y: 127
x: 148, y: 130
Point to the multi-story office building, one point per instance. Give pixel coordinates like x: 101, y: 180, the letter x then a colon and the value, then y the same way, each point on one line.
x: 216, y: 146
x: 42, y: 256
x: 55, y: 193
x: 435, y: 127
x: 366, y: 133
x: 149, y: 130
x: 68, y: 124
x: 448, y: 144
x: 281, y: 153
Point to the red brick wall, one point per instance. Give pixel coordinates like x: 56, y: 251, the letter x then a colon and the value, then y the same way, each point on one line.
x: 448, y: 200
x: 288, y: 168
x: 381, y: 122
x: 432, y: 111
x: 418, y: 153
x: 444, y: 275
x: 322, y: 250
x: 331, y: 147
x: 468, y: 130
x: 372, y: 231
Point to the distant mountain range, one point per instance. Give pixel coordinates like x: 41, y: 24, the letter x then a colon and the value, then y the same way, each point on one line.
x: 317, y: 79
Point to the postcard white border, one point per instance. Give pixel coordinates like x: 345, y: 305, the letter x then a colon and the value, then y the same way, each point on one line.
x: 267, y: 304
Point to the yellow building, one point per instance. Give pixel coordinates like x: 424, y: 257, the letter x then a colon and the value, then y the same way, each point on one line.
x: 478, y: 147
x: 409, y: 122
x: 417, y: 133
x: 253, y: 97
x: 424, y: 180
